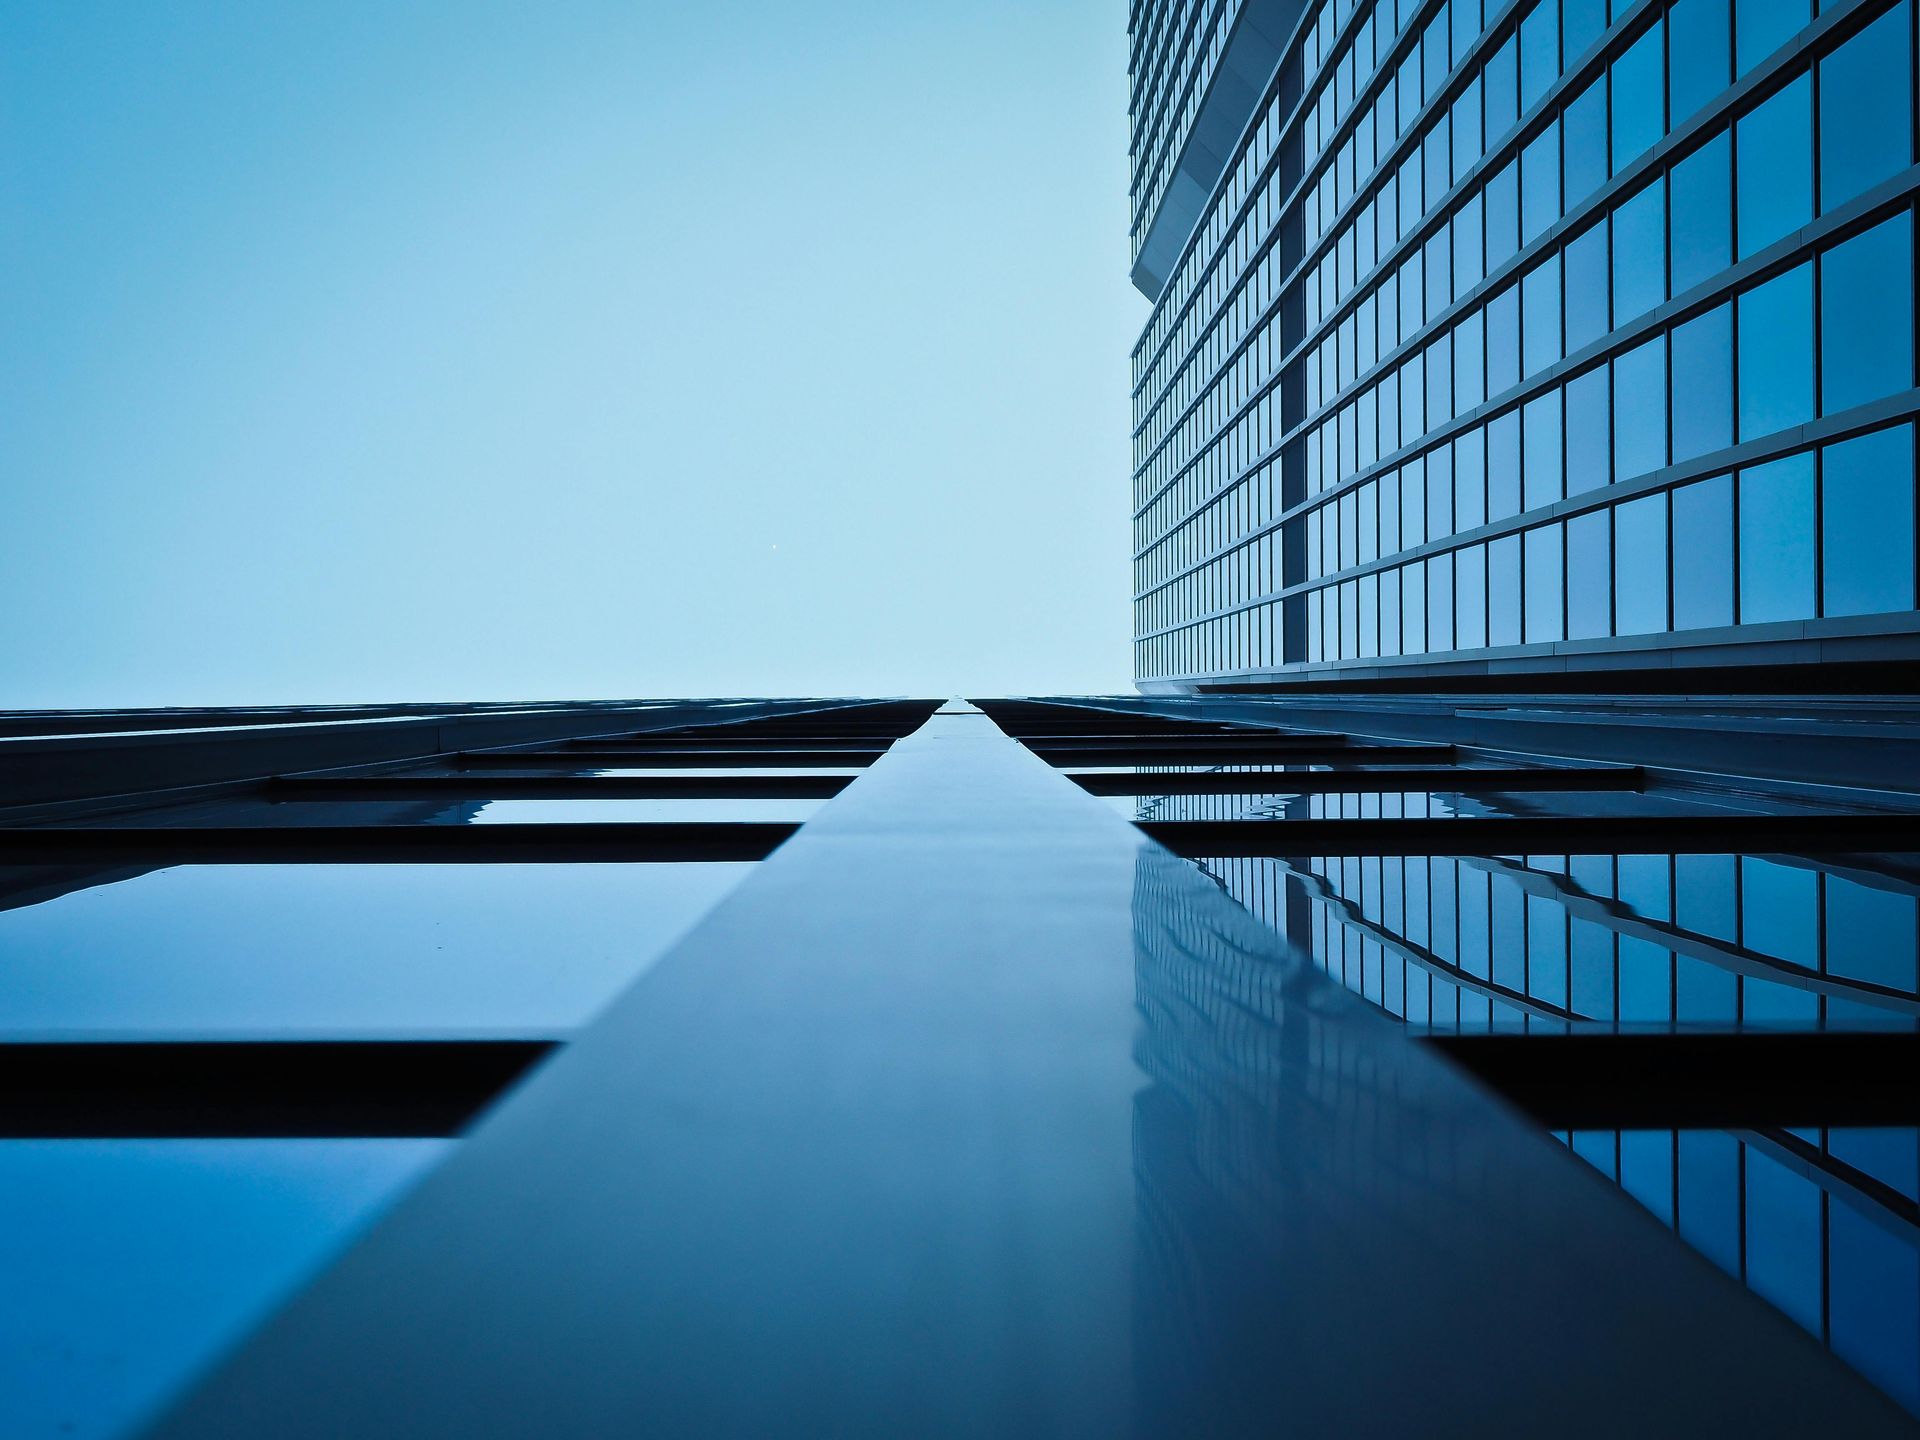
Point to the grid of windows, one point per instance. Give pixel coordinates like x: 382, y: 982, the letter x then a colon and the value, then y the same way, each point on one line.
x: 1498, y: 313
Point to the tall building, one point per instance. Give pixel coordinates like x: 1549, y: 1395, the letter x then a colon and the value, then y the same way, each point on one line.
x: 1540, y: 344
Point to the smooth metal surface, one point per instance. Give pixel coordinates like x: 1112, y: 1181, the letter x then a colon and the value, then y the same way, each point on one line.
x: 972, y: 1112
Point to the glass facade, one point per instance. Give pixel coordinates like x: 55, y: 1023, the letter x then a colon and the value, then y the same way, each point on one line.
x: 1539, y: 336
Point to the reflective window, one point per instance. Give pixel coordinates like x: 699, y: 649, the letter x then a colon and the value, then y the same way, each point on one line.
x: 1702, y: 238
x: 1582, y: 22
x: 1584, y: 127
x: 1703, y: 384
x: 1589, y: 577
x: 1866, y: 315
x: 1586, y: 265
x: 1540, y: 466
x: 1866, y: 105
x: 1469, y: 481
x: 1539, y: 51
x: 1470, y: 597
x: 1776, y: 354
x: 1588, y: 432
x: 1503, y: 590
x: 1639, y: 118
x: 1703, y: 554
x: 1640, y: 409
x: 1776, y: 167
x: 1502, y: 91
x: 1866, y: 530
x: 1503, y: 466
x: 1761, y: 27
x: 1540, y: 320
x: 1698, y: 55
x: 1640, y: 253
x: 1776, y: 541
x: 1503, y: 216
x: 1545, y: 592
x: 1540, y: 184
x: 1640, y: 566
x: 1503, y: 340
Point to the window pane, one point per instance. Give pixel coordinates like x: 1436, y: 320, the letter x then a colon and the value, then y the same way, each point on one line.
x: 1640, y: 566
x: 1702, y: 243
x: 1866, y: 104
x: 1503, y: 466
x: 1503, y: 341
x: 1589, y: 577
x: 1503, y: 215
x: 1762, y: 26
x: 1469, y: 265
x: 1776, y: 354
x: 1703, y: 384
x: 1588, y: 432
x: 1640, y: 253
x: 1638, y: 111
x: 1503, y: 591
x: 1470, y: 480
x: 1539, y: 51
x: 1776, y: 167
x: 1776, y: 541
x: 1545, y: 595
x: 1640, y: 409
x: 1503, y: 93
x: 1866, y: 316
x: 1703, y: 554
x: 1586, y: 262
x: 1470, y: 597
x: 1469, y: 364
x: 1540, y: 469
x: 1698, y: 57
x: 1440, y: 602
x: 1540, y: 320
x: 1540, y: 184
x: 1866, y: 507
x: 1584, y: 22
x: 1584, y: 123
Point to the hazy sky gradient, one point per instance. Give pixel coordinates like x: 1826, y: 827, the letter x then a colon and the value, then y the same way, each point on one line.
x: 359, y: 351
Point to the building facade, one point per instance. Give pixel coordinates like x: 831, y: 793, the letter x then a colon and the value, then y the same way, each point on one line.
x: 1514, y: 344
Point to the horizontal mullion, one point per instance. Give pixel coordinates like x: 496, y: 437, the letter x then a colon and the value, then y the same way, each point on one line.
x: 1276, y: 755
x: 1447, y: 778
x: 564, y: 787
x: 1715, y: 834
x: 664, y: 759
x: 588, y: 842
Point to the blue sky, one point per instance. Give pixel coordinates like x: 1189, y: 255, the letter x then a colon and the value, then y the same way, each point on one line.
x: 360, y: 351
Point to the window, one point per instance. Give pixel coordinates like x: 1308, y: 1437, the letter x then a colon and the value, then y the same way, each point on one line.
x: 1502, y: 89
x: 1589, y: 577
x: 1640, y: 253
x: 1413, y: 608
x: 1866, y: 316
x: 1540, y: 444
x: 1585, y: 125
x: 1503, y: 216
x: 1776, y: 541
x: 1440, y: 493
x: 1540, y: 320
x: 1640, y: 566
x: 1503, y: 590
x: 1640, y: 409
x: 1639, y: 116
x: 1586, y: 262
x: 1584, y: 21
x: 1470, y: 597
x: 1469, y: 363
x: 1702, y: 235
x: 1540, y: 184
x: 1866, y: 101
x: 1503, y: 340
x: 1545, y: 593
x: 1440, y: 602
x: 1703, y: 554
x: 1698, y: 55
x: 1762, y: 27
x: 1866, y: 532
x: 1776, y: 354
x: 1413, y: 504
x: 1703, y: 384
x: 1588, y: 430
x: 1776, y: 167
x: 1469, y: 257
x: 1503, y: 466
x: 1470, y: 481
x: 1539, y: 51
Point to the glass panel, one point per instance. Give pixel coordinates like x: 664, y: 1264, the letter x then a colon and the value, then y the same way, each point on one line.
x: 1539, y: 52
x: 1470, y: 597
x: 1866, y: 531
x: 1866, y: 108
x: 1702, y: 235
x: 1639, y: 118
x: 346, y: 949
x: 1540, y: 324
x: 1776, y: 354
x: 1540, y: 184
x: 1866, y: 316
x: 1703, y: 554
x: 1584, y: 123
x: 1503, y: 466
x: 1640, y: 566
x: 1589, y: 577
x: 1703, y: 384
x: 1776, y: 167
x: 1589, y: 432
x: 1541, y: 474
x: 1762, y: 27
x: 1503, y: 591
x: 1586, y: 262
x: 1698, y: 58
x: 1776, y: 541
x: 1640, y: 409
x: 1640, y: 253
